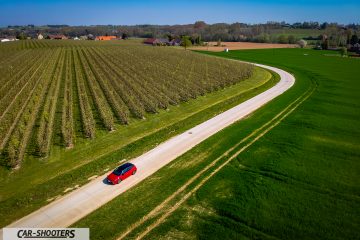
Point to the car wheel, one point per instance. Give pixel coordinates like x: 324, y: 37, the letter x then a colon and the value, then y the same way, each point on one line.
x: 119, y: 181
x: 134, y: 172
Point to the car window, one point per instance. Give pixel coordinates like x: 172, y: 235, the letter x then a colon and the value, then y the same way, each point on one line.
x: 124, y: 171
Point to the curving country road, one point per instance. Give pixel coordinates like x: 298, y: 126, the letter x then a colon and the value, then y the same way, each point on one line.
x: 72, y: 207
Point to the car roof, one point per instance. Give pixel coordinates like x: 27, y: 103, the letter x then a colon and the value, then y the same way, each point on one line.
x: 125, y: 165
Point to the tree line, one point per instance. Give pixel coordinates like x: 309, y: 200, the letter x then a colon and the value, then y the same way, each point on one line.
x: 272, y: 32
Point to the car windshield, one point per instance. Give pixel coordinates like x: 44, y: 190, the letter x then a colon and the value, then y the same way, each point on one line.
x: 120, y: 169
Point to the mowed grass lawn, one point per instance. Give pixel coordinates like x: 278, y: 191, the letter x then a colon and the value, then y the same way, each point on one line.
x: 298, y: 181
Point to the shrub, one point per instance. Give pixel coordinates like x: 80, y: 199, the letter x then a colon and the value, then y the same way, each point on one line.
x: 291, y: 39
x: 302, y: 43
x: 283, y: 39
x: 343, y: 51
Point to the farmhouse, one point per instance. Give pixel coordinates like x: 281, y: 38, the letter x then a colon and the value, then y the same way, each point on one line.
x: 150, y: 41
x: 157, y: 41
x: 8, y: 39
x: 175, y: 42
x: 40, y: 36
x: 105, y: 38
x: 90, y: 37
x: 57, y: 37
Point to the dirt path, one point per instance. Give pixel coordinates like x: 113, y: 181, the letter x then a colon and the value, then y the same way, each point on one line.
x: 77, y: 204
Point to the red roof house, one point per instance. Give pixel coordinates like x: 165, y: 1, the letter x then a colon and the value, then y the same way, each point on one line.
x: 105, y: 38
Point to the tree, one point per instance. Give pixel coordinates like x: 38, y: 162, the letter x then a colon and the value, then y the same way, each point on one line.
x: 283, y: 39
x: 291, y: 39
x: 342, y: 41
x: 324, y: 25
x: 263, y: 38
x: 218, y: 43
x: 324, y: 42
x: 170, y: 37
x: 185, y: 42
x: 199, y: 24
x: 354, y: 39
x: 198, y: 40
x: 21, y: 36
x: 302, y: 43
x: 349, y: 33
x: 124, y: 36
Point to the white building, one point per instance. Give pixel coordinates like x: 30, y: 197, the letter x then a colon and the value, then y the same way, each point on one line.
x: 8, y: 39
x: 40, y: 36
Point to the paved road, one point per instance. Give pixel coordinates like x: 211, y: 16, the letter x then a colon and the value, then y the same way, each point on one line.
x: 77, y: 204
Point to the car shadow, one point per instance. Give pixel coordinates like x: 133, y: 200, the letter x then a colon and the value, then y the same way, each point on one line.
x: 105, y: 181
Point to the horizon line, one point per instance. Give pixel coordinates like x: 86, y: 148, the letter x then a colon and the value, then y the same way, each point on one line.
x: 162, y: 24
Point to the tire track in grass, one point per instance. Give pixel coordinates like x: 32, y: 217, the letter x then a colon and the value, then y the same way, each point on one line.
x: 260, y: 131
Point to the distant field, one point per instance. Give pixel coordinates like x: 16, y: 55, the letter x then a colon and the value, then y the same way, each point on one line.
x: 53, y: 92
x: 288, y: 171
x: 44, y: 178
x: 241, y: 45
x: 298, y: 33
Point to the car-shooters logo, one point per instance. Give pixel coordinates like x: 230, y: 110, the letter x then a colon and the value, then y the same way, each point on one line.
x: 46, y: 233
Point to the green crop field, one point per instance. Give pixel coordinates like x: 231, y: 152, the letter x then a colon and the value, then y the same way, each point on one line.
x: 298, y: 33
x: 94, y: 86
x: 288, y: 171
x: 52, y: 90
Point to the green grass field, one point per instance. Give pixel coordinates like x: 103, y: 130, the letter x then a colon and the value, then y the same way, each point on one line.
x: 288, y: 171
x: 29, y: 188
x: 298, y: 33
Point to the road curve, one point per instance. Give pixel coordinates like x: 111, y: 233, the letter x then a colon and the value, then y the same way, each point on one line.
x: 72, y: 207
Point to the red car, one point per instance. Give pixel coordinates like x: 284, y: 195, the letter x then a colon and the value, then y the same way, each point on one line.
x: 121, y: 173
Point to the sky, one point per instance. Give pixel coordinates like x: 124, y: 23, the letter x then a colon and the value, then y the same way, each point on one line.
x: 169, y: 12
